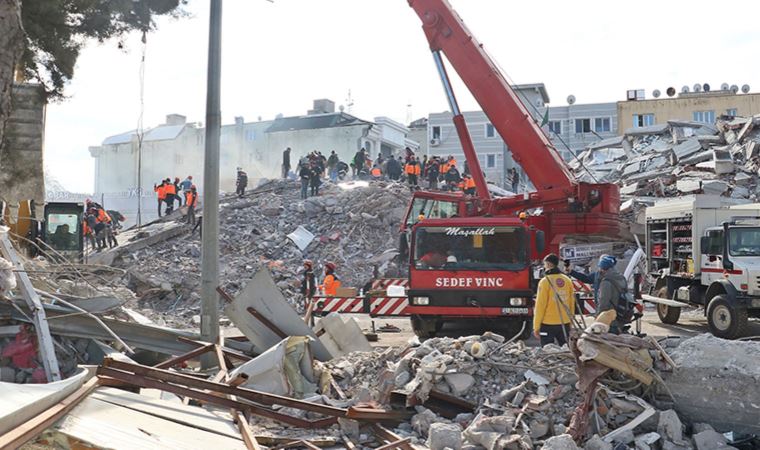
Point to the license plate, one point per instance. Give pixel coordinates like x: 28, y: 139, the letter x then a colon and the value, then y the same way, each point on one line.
x: 514, y: 310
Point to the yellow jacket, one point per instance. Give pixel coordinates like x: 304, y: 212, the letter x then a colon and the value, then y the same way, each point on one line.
x: 547, y: 310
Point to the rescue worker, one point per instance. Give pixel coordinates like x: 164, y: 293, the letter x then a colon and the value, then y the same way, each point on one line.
x: 393, y: 169
x: 452, y: 177
x: 309, y: 282
x: 432, y: 172
x: 468, y: 185
x: 376, y: 172
x: 241, y: 182
x: 305, y: 176
x: 191, y: 201
x: 612, y: 285
x: 412, y: 172
x: 592, y: 278
x: 315, y: 179
x: 186, y: 183
x: 88, y: 233
x: 285, y: 162
x: 555, y: 304
x: 177, y: 190
x: 358, y: 162
x: 161, y: 192
x: 331, y: 283
x: 332, y: 166
x: 170, y: 192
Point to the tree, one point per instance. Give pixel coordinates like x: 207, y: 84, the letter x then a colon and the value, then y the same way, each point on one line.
x: 43, y: 38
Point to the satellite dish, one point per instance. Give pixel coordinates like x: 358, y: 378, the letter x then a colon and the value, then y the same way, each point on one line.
x: 745, y: 88
x: 724, y: 87
x: 706, y: 87
x: 671, y: 91
x: 697, y: 87
x: 570, y: 99
x: 685, y: 90
x: 734, y: 88
x: 656, y: 93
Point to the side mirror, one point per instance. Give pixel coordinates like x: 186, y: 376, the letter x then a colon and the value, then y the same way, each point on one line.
x: 704, y: 244
x: 540, y: 242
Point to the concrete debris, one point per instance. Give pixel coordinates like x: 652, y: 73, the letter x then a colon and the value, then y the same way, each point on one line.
x: 561, y: 442
x: 444, y: 436
x: 678, y: 157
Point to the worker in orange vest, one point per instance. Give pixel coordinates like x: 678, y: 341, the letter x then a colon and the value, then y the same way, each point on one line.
x: 161, y: 192
x: 191, y: 201
x: 88, y: 233
x: 376, y: 172
x: 468, y: 184
x: 331, y: 283
x: 412, y: 172
x: 171, y: 194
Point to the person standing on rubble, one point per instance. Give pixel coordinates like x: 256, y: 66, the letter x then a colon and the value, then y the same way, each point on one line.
x: 186, y: 183
x: 555, y: 304
x: 393, y: 169
x: 331, y: 283
x: 315, y: 178
x: 285, y: 162
x: 432, y: 172
x: 305, y: 176
x: 309, y: 282
x: 412, y: 172
x: 241, y: 183
x: 332, y: 166
x: 191, y: 201
x: 160, y: 190
x: 358, y: 163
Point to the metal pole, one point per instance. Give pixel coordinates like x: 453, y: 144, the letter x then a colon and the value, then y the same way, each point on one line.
x: 210, y: 238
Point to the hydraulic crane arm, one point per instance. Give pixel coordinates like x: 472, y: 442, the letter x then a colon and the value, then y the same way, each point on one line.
x: 529, y: 145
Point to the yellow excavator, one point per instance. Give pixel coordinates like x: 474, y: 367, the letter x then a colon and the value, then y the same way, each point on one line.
x: 58, y: 235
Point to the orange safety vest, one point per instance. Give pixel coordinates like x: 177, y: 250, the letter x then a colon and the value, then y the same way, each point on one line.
x: 161, y: 191
x: 409, y: 169
x: 170, y: 189
x: 85, y: 228
x: 103, y: 216
x: 191, y: 198
x: 453, y: 162
x: 376, y: 172
x: 331, y: 285
x: 469, y: 183
x: 444, y: 168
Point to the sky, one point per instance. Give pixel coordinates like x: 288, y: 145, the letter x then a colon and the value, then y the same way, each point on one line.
x: 277, y: 57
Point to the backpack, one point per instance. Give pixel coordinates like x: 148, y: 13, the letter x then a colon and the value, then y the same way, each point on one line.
x: 624, y: 307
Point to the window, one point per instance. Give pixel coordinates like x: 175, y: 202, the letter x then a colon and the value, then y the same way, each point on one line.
x: 430, y: 209
x: 436, y: 132
x: 490, y: 130
x: 250, y: 135
x: 602, y: 124
x: 744, y: 241
x: 63, y: 231
x: 583, y: 125
x: 470, y: 247
x: 643, y: 120
x: 555, y: 126
x: 704, y: 116
x: 715, y: 243
x: 490, y: 161
x: 731, y: 112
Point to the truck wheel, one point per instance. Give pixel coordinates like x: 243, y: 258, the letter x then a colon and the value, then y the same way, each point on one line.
x: 425, y: 328
x: 726, y: 320
x: 667, y: 314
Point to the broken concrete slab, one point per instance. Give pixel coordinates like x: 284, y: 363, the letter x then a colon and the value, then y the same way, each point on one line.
x: 709, y: 440
x: 444, y: 436
x: 561, y: 442
x: 133, y: 240
x: 714, y: 187
x: 687, y: 148
x: 263, y: 295
x: 716, y: 383
x: 688, y: 185
x: 341, y: 336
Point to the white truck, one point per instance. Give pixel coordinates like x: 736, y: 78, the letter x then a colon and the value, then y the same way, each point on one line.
x: 705, y: 251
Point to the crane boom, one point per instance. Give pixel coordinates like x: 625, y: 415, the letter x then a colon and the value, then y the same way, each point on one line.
x: 447, y: 33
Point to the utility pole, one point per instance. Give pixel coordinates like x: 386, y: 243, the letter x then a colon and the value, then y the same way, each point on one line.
x: 210, y: 230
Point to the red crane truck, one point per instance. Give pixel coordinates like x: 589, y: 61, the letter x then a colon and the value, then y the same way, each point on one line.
x: 490, y: 246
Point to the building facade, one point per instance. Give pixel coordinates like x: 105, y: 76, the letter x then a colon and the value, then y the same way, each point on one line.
x: 570, y: 128
x: 176, y: 149
x: 688, y: 106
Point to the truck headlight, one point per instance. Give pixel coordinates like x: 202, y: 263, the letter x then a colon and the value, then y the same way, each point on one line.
x: 421, y: 301
x: 516, y: 302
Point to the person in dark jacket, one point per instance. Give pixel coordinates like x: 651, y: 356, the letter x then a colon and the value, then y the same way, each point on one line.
x: 285, y: 162
x: 332, y: 166
x: 242, y: 182
x: 393, y: 169
x: 612, y: 285
x: 452, y: 178
x: 358, y: 162
x: 309, y: 283
x: 315, y: 179
x: 432, y: 173
x: 305, y: 176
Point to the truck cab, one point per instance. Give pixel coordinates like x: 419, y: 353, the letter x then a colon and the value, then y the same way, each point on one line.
x: 732, y: 252
x: 62, y: 231
x: 472, y: 268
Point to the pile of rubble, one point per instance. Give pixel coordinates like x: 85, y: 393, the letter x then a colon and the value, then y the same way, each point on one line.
x: 677, y: 158
x: 354, y: 225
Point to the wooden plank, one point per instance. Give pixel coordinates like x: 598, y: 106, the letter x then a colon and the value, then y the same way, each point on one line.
x: 401, y: 443
x: 32, y: 428
x: 390, y: 437
x: 179, y: 359
x: 245, y: 430
x: 44, y: 339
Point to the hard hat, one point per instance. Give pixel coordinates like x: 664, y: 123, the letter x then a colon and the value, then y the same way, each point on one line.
x: 308, y: 262
x: 607, y: 262
x: 523, y: 215
x: 330, y: 266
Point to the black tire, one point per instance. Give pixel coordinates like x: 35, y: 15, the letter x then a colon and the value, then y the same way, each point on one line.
x: 725, y: 319
x: 667, y: 314
x: 425, y: 328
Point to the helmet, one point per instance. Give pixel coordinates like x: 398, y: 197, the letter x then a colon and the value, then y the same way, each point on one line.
x: 330, y: 266
x: 309, y: 263
x: 607, y: 262
x: 192, y: 186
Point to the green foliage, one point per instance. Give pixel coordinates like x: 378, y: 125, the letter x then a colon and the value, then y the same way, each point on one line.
x: 57, y: 30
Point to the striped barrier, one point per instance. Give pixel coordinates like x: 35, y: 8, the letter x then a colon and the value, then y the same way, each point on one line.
x: 327, y: 305
x: 388, y: 306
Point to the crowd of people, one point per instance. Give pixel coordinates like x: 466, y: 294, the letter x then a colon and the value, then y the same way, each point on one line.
x: 435, y: 173
x: 100, y: 227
